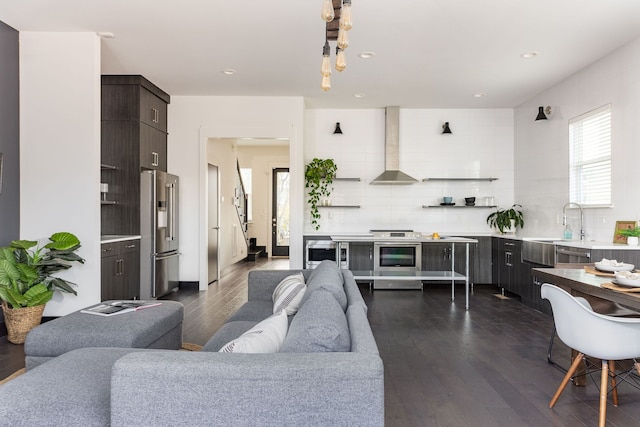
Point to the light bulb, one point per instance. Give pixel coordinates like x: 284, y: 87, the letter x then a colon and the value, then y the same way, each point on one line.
x: 343, y: 39
x: 327, y: 13
x: 325, y: 68
x: 346, y: 22
x: 341, y: 60
x: 326, y: 83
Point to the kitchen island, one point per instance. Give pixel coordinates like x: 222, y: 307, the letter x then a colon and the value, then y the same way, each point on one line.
x: 391, y: 260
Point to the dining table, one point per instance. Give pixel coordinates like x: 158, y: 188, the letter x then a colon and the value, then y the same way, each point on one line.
x: 597, y: 287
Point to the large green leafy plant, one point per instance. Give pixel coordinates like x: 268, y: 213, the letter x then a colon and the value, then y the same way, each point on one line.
x: 318, y: 177
x: 26, y: 269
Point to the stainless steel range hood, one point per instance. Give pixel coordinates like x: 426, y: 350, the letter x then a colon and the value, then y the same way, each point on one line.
x: 392, y: 174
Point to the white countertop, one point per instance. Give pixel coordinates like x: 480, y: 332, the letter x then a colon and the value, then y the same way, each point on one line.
x: 368, y: 237
x: 112, y: 238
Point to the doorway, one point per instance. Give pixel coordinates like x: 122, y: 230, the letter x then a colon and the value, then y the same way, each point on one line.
x: 213, y: 223
x: 280, y: 226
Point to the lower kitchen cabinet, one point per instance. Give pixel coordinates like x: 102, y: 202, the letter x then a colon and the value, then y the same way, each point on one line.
x: 507, y: 263
x: 360, y: 256
x: 120, y: 275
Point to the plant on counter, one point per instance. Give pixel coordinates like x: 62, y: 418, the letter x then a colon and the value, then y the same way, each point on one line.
x: 630, y: 232
x: 501, y: 218
x: 318, y: 178
x: 27, y: 282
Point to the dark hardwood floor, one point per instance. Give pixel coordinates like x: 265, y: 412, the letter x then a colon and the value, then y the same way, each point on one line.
x: 444, y: 365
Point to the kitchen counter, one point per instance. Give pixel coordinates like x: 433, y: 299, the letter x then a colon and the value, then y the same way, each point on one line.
x: 586, y: 244
x: 112, y: 238
x: 368, y: 237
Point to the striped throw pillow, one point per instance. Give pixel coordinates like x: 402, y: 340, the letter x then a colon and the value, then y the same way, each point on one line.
x: 289, y: 293
x: 265, y: 337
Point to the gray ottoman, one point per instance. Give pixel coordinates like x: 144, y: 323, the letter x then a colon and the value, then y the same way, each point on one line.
x: 155, y: 327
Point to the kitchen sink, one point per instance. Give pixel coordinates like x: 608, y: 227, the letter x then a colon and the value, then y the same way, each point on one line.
x: 539, y: 251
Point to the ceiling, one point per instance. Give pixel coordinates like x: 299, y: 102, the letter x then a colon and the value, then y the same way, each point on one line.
x: 428, y: 53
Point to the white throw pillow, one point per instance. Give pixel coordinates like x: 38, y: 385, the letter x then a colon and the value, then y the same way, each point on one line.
x: 289, y: 293
x: 266, y: 337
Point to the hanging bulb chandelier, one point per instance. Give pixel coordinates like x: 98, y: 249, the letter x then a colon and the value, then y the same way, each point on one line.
x: 337, y: 15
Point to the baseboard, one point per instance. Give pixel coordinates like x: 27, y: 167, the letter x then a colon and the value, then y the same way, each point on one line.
x: 191, y: 286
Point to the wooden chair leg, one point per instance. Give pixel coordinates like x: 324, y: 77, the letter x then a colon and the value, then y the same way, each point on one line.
x: 567, y: 377
x: 614, y: 389
x: 603, y: 393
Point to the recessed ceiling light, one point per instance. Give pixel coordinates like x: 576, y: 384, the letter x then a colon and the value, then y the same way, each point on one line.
x: 479, y: 95
x: 359, y: 95
x: 229, y: 72
x: 366, y: 55
x: 528, y: 55
x: 105, y: 35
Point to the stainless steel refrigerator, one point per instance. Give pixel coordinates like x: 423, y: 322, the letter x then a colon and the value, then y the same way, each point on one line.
x: 159, y: 250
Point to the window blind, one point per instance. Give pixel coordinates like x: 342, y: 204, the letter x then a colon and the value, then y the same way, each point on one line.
x: 590, y: 158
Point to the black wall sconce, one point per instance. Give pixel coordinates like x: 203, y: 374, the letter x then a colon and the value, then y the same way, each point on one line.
x: 543, y: 112
x: 338, y: 130
x: 446, y: 128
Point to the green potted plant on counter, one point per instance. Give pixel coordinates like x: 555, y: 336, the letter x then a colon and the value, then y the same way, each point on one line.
x: 27, y: 282
x: 507, y: 220
x: 632, y: 235
x: 318, y: 178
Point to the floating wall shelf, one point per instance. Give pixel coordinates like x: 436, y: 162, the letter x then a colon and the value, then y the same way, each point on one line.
x: 339, y: 206
x: 459, y: 179
x: 459, y: 206
x: 346, y: 179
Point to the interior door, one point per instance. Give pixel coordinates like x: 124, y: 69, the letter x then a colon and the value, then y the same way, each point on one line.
x: 280, y: 212
x: 213, y: 223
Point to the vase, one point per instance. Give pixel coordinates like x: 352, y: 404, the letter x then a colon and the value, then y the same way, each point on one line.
x: 20, y: 321
x: 632, y: 241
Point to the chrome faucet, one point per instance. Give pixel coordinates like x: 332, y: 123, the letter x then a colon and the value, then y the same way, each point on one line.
x: 564, y: 218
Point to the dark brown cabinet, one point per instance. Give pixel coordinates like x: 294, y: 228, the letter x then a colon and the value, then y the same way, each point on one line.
x: 134, y: 137
x: 360, y: 256
x: 508, y: 263
x: 120, y: 270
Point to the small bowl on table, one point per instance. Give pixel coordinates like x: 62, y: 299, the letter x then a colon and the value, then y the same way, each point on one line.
x: 627, y: 278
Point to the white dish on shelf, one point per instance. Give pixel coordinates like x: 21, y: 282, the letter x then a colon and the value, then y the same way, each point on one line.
x: 612, y: 268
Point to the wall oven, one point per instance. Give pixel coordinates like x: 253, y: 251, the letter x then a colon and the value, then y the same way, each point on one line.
x: 320, y: 250
x: 397, y: 258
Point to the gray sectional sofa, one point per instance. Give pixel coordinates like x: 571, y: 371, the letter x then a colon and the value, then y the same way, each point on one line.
x: 327, y: 372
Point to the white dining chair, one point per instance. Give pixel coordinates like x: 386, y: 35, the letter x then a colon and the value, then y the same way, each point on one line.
x: 592, y: 334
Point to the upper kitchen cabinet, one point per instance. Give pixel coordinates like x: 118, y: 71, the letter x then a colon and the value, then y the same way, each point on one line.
x: 134, y: 137
x: 134, y: 98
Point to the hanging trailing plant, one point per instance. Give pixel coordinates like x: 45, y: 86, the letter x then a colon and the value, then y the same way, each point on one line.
x: 318, y: 179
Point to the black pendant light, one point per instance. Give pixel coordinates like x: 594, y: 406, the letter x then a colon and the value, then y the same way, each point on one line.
x: 446, y: 128
x: 338, y: 130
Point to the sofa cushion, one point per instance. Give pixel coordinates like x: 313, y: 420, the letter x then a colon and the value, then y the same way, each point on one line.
x: 70, y: 390
x: 265, y: 337
x: 289, y: 293
x: 327, y: 276
x: 228, y: 332
x: 253, y: 311
x: 319, y: 326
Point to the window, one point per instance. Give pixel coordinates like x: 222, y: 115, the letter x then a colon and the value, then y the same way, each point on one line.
x: 590, y: 158
x: 245, y: 173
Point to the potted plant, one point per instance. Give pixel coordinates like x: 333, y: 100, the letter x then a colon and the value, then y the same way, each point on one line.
x: 507, y: 219
x: 318, y: 177
x: 632, y: 235
x: 27, y: 282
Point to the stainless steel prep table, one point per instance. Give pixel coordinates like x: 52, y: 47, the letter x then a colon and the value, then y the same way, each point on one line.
x: 424, y: 276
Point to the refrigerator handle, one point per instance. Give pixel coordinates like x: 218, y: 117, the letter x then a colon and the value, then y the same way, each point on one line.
x: 171, y: 192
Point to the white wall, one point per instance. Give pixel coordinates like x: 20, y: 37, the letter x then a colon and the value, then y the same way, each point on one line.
x: 542, y: 148
x: 481, y: 146
x: 60, y: 151
x: 193, y: 120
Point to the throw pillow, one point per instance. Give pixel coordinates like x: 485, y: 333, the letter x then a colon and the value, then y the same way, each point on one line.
x: 327, y: 276
x: 319, y: 326
x: 289, y: 293
x: 266, y: 337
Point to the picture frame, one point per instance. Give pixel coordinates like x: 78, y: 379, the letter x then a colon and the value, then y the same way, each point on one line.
x: 622, y: 225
